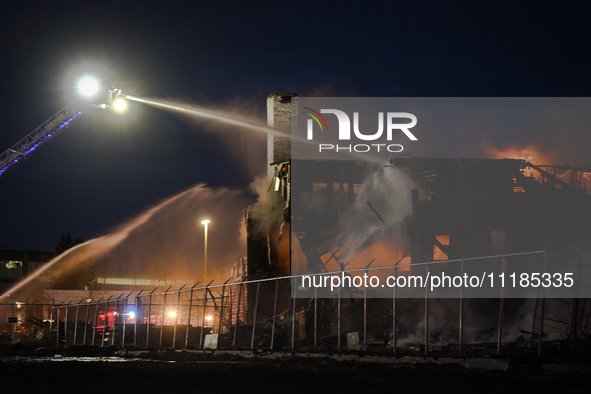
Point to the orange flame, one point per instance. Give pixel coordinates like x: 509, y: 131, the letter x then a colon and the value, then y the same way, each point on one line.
x: 529, y: 153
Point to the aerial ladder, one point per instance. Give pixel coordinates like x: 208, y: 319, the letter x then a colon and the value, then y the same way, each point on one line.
x: 63, y: 119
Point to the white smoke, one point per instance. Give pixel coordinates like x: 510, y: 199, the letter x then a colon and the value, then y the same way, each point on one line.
x: 388, y: 190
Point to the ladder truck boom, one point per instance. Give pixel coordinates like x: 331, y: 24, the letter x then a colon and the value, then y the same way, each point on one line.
x: 23, y: 149
x: 64, y: 118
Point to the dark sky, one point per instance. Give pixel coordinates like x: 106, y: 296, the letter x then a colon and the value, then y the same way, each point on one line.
x: 107, y: 168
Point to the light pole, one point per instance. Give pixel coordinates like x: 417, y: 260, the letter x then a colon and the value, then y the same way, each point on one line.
x: 205, y: 223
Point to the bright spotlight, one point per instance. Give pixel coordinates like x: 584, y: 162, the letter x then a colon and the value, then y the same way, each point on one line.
x: 209, y: 318
x: 205, y: 222
x: 88, y: 86
x: 120, y: 104
x: 172, y: 314
x: 131, y: 314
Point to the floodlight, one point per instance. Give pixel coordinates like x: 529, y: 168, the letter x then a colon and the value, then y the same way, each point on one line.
x: 88, y: 86
x: 120, y: 104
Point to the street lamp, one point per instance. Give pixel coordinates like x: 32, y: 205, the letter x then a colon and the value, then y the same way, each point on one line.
x: 205, y: 223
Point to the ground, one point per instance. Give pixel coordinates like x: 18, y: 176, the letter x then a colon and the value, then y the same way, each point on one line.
x: 196, y: 373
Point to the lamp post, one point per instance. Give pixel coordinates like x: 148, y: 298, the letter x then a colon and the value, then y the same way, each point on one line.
x: 205, y: 223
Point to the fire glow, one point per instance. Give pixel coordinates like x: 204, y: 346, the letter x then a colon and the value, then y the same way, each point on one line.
x: 530, y: 154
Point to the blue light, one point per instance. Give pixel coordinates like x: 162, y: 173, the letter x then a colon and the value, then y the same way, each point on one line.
x: 26, y: 153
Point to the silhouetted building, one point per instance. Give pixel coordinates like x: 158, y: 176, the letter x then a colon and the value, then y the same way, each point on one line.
x: 15, y: 264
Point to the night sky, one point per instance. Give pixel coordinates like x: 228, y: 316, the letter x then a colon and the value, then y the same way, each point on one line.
x: 108, y: 168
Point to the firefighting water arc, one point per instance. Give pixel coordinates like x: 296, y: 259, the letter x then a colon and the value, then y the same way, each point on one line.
x: 155, y: 247
x: 207, y: 114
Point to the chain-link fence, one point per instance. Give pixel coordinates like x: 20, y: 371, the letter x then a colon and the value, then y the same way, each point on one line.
x: 275, y: 313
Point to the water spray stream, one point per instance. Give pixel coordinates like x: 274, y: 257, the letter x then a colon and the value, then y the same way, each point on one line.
x: 243, y: 123
x: 210, y: 115
x: 98, y: 246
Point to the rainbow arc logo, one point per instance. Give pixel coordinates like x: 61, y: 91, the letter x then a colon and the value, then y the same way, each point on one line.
x: 315, y: 116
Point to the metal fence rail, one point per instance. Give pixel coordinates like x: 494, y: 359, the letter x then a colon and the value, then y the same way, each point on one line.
x: 262, y: 314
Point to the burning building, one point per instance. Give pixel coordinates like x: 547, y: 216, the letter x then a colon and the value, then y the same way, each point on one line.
x: 413, y: 210
x: 455, y: 207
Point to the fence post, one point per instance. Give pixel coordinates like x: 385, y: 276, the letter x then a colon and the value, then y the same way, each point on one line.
x: 115, y: 318
x: 202, y: 336
x: 149, y: 318
x: 66, y: 326
x: 86, y: 323
x: 222, y: 307
x: 540, y: 341
x: 274, y: 313
x: 76, y: 324
x: 163, y: 317
x: 14, y: 324
x: 237, y: 315
x: 254, y: 319
x: 339, y: 319
x: 461, y: 339
x: 426, y: 312
x: 315, y: 316
x: 365, y: 311
x: 176, y: 318
x: 51, y: 321
x: 189, y: 315
x: 105, y: 321
x: 501, y: 311
x: 394, y: 336
x: 125, y: 315
x: 293, y: 314
x: 96, y: 306
x: 137, y: 313
x: 57, y: 331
